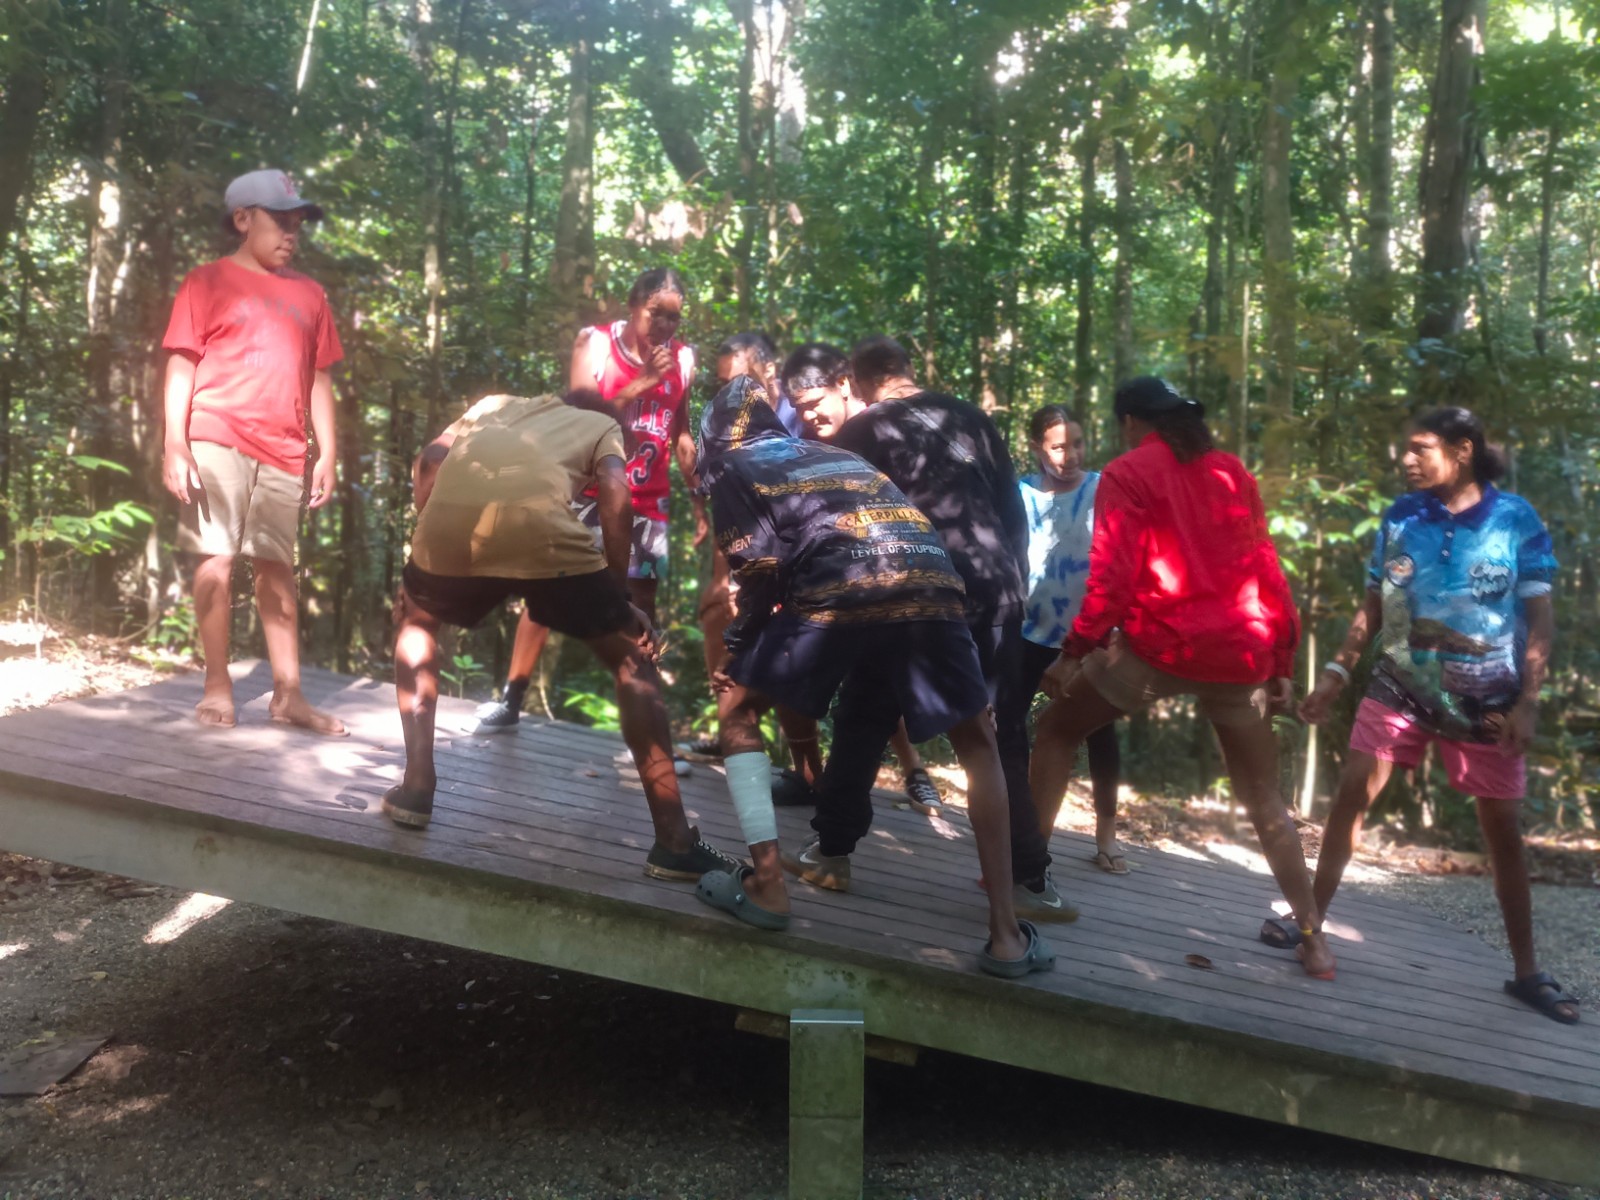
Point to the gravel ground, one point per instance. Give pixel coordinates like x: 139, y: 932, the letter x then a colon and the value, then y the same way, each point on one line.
x: 262, y: 1055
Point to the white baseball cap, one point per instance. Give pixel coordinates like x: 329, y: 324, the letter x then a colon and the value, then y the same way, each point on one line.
x: 268, y: 189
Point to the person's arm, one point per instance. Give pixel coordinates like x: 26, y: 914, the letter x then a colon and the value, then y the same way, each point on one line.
x: 1516, y: 735
x: 426, y: 467
x: 1113, y: 561
x: 755, y: 557
x: 683, y: 449
x: 580, y: 373
x: 1008, y: 497
x: 615, y: 502
x: 179, y: 472
x: 325, y: 475
x: 1315, y: 708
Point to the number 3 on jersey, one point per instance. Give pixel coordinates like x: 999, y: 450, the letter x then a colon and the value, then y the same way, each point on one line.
x: 640, y: 464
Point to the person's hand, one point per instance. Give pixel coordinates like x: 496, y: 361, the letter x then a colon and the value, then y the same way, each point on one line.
x: 657, y: 363
x: 402, y: 607
x: 1517, y: 728
x: 722, y: 682
x: 702, y: 527
x: 324, y: 476
x: 1280, y: 694
x: 180, y: 474
x: 643, y: 631
x: 1058, y: 675
x: 1316, y: 707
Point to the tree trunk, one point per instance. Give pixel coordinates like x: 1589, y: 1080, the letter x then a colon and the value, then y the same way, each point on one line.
x: 1277, y: 262
x: 1445, y: 188
x: 530, y: 194
x: 25, y: 90
x: 106, y: 201
x: 1019, y: 195
x: 1547, y: 213
x: 931, y: 201
x: 1083, y: 368
x: 1122, y: 349
x: 670, y: 108
x: 572, y: 265
x: 981, y: 291
x: 1376, y: 311
x: 746, y: 185
x: 9, y: 573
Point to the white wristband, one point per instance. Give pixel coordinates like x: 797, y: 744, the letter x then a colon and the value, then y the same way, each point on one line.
x: 1338, y: 669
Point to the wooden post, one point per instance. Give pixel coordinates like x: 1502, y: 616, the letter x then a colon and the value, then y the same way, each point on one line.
x: 826, y: 1070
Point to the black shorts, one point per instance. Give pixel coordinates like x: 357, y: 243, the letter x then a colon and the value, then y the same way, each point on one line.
x: 929, y: 669
x: 580, y: 606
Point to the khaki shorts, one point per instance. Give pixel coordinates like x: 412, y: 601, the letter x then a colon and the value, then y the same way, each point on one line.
x: 1130, y: 683
x: 246, y: 507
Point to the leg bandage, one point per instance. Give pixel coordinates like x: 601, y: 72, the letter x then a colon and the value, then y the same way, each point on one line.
x: 750, y: 785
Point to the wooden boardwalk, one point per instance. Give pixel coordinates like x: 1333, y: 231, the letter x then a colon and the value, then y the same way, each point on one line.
x: 536, y: 852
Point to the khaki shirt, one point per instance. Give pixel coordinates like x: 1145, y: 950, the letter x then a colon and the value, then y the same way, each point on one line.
x: 502, y: 503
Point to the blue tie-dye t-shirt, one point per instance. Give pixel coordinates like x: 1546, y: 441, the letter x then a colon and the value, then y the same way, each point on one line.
x: 1453, y: 588
x: 1060, y: 528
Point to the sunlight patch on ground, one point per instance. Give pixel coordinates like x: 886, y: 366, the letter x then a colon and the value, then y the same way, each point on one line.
x: 10, y: 948
x: 1168, y: 846
x: 28, y: 682
x: 1250, y: 860
x: 198, y: 907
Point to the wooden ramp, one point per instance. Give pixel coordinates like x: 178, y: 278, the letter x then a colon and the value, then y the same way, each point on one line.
x: 536, y: 852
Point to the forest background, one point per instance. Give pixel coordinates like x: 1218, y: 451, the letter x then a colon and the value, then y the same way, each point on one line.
x: 1316, y: 216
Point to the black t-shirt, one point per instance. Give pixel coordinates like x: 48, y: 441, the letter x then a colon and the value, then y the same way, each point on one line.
x: 951, y: 462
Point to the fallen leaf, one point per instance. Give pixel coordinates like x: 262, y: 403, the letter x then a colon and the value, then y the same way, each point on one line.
x: 1198, y: 960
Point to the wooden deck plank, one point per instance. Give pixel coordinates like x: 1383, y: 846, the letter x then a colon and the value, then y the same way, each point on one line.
x: 1408, y: 1020
x: 537, y: 848
x: 1408, y: 1023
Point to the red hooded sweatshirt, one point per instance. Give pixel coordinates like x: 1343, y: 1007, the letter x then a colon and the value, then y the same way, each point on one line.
x: 1181, y: 561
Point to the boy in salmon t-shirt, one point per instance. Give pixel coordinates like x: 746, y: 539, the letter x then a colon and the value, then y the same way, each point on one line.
x: 251, y: 343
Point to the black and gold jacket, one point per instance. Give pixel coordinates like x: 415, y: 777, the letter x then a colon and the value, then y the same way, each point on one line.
x: 812, y: 529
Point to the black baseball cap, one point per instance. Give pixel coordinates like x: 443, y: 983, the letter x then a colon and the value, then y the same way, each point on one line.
x: 1150, y: 396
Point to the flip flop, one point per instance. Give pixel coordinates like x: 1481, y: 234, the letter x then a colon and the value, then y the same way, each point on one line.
x: 1540, y: 991
x: 1281, y: 933
x: 1111, y: 864
x: 725, y: 890
x: 1037, y: 957
x: 408, y: 807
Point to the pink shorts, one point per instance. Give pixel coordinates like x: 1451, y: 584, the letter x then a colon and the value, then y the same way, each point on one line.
x: 1474, y: 768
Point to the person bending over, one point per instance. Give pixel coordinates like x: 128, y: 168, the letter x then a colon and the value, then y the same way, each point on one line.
x: 842, y: 586
x: 1458, y: 598
x: 1059, y: 500
x: 817, y: 376
x: 1182, y: 565
x: 494, y: 520
x: 950, y: 461
x: 643, y: 373
x: 750, y: 353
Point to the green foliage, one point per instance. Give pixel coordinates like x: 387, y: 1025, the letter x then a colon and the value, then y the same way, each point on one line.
x: 908, y: 167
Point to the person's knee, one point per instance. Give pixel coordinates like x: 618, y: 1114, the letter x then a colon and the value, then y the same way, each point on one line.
x: 213, y: 568
x: 740, y: 732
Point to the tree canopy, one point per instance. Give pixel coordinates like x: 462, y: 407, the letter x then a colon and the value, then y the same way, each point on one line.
x: 1316, y: 216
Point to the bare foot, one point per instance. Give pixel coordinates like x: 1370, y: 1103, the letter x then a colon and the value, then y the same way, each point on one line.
x: 216, y: 707
x: 770, y: 894
x: 292, y: 708
x: 1315, y: 956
